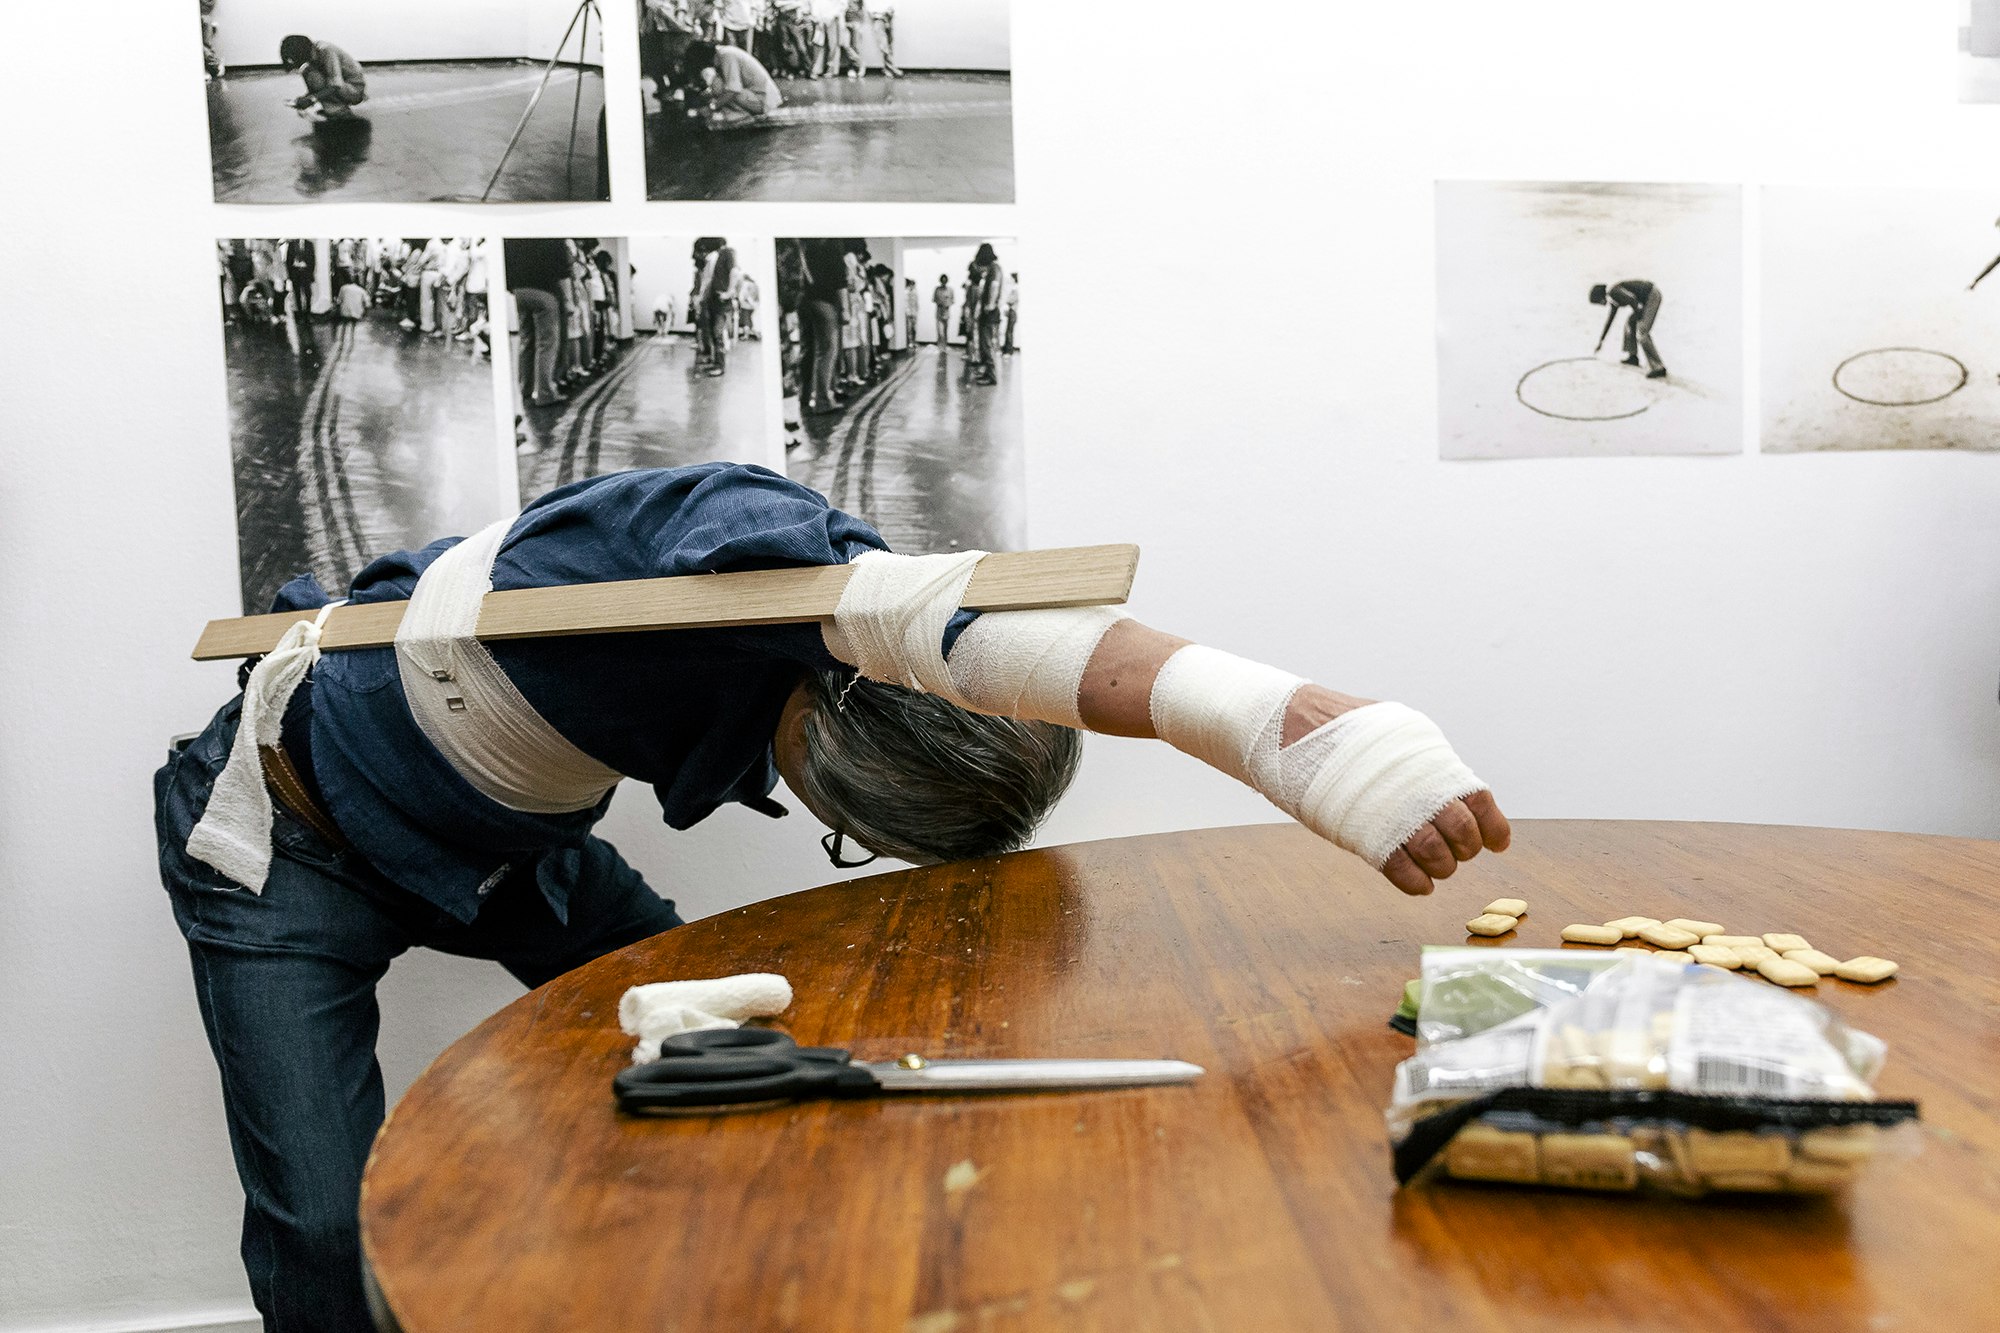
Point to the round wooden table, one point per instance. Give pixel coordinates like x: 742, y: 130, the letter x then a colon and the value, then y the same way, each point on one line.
x: 506, y: 1192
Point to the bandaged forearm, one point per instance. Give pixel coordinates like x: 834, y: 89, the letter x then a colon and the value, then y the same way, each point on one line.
x: 1366, y: 781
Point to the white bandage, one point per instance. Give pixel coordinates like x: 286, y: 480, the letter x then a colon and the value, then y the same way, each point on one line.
x: 1365, y: 781
x: 655, y: 1012
x: 1023, y: 664
x: 892, y: 615
x: 1029, y: 664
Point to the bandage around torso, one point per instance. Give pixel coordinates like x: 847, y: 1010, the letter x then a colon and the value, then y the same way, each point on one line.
x: 1366, y: 781
x: 466, y: 705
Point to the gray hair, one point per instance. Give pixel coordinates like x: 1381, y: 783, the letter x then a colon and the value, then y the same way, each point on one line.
x: 910, y: 776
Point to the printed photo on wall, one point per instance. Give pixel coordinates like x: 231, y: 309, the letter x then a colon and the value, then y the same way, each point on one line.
x: 1589, y: 319
x: 902, y: 384
x: 360, y: 401
x: 1881, y: 318
x: 385, y: 101
x: 828, y: 100
x: 641, y: 351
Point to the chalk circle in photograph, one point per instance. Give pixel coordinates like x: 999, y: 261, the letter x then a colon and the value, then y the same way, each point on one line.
x: 1584, y: 388
x: 1900, y: 376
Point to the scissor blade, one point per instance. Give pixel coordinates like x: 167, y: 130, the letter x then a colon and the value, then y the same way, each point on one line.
x: 1025, y: 1075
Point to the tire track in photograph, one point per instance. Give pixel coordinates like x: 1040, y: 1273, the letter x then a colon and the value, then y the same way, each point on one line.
x: 862, y: 416
x: 324, y: 546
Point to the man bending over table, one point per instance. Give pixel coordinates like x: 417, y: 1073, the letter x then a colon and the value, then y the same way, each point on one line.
x: 442, y: 792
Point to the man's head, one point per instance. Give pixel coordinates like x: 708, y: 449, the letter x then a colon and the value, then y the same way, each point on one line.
x: 697, y: 60
x: 295, y: 51
x: 1598, y: 294
x: 910, y: 776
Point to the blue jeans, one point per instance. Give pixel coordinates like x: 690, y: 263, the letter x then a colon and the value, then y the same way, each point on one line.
x: 286, y: 983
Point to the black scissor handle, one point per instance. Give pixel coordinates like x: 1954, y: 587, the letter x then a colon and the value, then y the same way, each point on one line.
x: 737, y: 1066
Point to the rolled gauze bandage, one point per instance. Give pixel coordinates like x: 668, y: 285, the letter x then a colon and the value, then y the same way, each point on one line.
x: 1365, y: 781
x: 655, y: 1012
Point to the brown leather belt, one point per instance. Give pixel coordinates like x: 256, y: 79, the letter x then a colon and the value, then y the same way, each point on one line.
x: 289, y: 790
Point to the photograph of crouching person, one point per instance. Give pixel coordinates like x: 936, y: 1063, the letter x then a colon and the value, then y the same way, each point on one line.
x: 727, y: 85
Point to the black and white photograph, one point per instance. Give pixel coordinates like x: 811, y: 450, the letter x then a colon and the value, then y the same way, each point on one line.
x: 640, y: 352
x: 466, y: 101
x: 1589, y: 319
x: 1979, y: 50
x: 901, y: 359
x: 828, y: 100
x: 361, y: 414
x: 1881, y: 318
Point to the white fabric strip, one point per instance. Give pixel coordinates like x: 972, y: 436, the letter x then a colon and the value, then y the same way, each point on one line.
x: 892, y: 615
x: 1029, y: 664
x: 234, y: 834
x: 655, y: 1012
x: 1365, y: 781
x: 1215, y: 706
x: 468, y: 708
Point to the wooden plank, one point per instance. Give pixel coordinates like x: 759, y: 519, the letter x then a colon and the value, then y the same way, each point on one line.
x: 1004, y: 581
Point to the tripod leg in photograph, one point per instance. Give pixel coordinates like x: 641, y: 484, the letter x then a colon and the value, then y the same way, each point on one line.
x: 576, y: 102
x: 548, y: 71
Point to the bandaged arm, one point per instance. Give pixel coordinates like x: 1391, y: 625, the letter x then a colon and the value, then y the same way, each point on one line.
x: 1376, y: 778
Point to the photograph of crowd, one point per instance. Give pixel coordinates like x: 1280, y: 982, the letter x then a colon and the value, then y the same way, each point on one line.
x: 381, y: 101
x: 838, y: 100
x: 360, y: 401
x: 642, y: 351
x: 902, y: 399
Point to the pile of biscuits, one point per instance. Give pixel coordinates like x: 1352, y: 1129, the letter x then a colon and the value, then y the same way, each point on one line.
x: 1519, y: 1151
x: 1776, y: 956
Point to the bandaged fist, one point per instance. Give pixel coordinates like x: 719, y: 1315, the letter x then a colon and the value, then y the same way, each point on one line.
x: 1381, y: 781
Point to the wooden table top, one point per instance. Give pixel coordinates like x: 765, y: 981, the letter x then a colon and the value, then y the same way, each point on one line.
x: 505, y: 1192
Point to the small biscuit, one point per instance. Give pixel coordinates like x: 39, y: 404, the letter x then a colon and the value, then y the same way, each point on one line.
x: 1675, y: 956
x: 1581, y: 934
x: 1785, y: 943
x: 1716, y: 956
x: 1823, y: 963
x: 1668, y: 937
x: 1632, y: 925
x: 1700, y: 928
x: 1787, y: 973
x: 1492, y: 923
x: 1734, y: 941
x: 1589, y: 1161
x: 1866, y: 969
x: 1514, y: 907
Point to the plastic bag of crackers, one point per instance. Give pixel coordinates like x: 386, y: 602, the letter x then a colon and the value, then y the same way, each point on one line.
x: 1628, y: 1072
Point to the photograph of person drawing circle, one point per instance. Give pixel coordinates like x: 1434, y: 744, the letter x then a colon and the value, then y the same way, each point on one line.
x: 394, y: 821
x: 1531, y: 272
x: 1639, y: 301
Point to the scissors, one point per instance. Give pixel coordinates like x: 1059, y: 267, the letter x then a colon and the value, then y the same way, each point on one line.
x: 733, y: 1068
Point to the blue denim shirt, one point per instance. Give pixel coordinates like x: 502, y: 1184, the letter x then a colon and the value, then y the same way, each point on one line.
x: 690, y: 712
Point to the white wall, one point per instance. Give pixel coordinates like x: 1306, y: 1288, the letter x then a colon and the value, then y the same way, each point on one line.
x: 248, y: 31
x: 1810, y: 639
x: 953, y: 34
